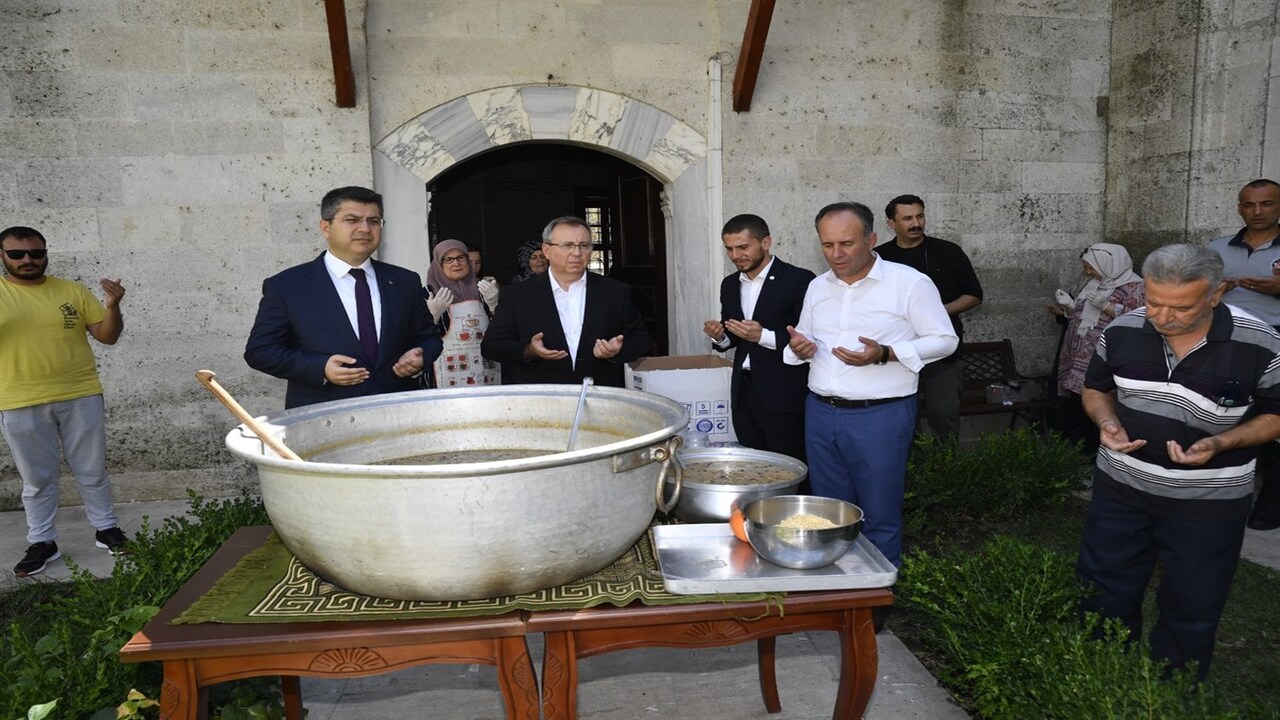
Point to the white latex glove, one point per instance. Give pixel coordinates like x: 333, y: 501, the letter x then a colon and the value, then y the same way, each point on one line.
x: 1098, y: 298
x: 439, y: 302
x: 489, y: 292
x: 1061, y: 297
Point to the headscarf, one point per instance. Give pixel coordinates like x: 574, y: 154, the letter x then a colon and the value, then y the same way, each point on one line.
x: 464, y: 289
x: 523, y: 253
x: 1116, y: 267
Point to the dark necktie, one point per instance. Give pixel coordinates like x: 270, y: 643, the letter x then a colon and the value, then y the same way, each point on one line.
x: 364, y: 317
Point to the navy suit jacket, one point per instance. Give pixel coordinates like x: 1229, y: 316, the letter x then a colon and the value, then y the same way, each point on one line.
x: 527, y: 308
x: 784, y: 387
x: 301, y: 323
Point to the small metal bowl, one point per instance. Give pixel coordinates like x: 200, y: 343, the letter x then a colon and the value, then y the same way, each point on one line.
x: 799, y: 548
x: 702, y: 502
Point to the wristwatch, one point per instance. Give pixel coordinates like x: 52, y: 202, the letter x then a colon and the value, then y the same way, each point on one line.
x: 884, y: 354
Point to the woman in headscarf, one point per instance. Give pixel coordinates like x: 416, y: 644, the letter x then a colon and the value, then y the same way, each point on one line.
x: 1111, y: 289
x: 461, y: 307
x: 531, y: 260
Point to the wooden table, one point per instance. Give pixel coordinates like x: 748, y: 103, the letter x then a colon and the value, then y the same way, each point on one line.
x: 574, y: 634
x: 197, y: 656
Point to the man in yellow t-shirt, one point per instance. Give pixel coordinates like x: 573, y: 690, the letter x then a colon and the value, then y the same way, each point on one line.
x: 50, y: 397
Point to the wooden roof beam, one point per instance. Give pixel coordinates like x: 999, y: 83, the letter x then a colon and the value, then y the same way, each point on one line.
x: 344, y: 79
x: 744, y: 78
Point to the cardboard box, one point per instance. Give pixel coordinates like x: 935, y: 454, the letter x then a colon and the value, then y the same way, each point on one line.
x: 699, y: 382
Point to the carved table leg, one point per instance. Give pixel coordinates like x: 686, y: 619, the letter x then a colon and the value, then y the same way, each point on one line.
x: 859, y: 663
x: 179, y: 695
x: 768, y: 678
x: 291, y: 685
x: 516, y: 678
x: 559, y: 677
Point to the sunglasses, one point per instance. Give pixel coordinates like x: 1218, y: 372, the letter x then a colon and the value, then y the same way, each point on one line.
x: 36, y: 254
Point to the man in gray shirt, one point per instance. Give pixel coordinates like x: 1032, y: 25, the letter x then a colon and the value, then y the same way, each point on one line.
x: 1251, y: 258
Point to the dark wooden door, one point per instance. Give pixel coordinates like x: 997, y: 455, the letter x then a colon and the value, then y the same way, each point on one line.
x: 639, y: 251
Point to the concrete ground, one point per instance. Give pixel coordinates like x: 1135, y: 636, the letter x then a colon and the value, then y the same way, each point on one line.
x: 637, y: 684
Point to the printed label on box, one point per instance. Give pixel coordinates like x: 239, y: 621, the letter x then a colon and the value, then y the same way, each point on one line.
x: 701, y: 383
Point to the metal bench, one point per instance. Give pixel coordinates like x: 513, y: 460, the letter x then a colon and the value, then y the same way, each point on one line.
x: 983, y: 364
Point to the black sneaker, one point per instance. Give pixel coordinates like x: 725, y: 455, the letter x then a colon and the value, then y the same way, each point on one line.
x: 113, y: 540
x: 37, y: 558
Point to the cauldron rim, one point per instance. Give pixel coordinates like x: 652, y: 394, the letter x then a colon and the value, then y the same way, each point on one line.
x: 242, y: 442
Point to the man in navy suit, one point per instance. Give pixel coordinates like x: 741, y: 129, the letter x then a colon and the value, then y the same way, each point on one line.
x: 567, y: 324
x: 308, y: 329
x: 757, y: 303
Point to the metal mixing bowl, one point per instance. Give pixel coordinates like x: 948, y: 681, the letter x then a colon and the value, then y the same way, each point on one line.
x: 796, y: 547
x: 702, y: 502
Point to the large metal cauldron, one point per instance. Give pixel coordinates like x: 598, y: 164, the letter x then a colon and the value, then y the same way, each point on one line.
x: 474, y: 529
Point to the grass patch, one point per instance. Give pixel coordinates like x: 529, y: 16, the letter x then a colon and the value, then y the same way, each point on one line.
x: 956, y: 505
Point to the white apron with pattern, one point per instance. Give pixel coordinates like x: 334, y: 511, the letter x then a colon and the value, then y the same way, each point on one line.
x: 460, y: 363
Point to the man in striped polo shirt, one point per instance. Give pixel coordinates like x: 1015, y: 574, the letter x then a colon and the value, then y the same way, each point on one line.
x: 1183, y: 392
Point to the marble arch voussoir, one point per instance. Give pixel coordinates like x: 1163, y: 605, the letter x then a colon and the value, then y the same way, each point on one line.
x: 450, y: 133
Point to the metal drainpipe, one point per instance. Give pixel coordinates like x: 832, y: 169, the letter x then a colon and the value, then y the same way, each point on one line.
x: 715, y: 183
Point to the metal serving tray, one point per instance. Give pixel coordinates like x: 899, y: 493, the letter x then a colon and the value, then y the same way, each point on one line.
x: 706, y: 559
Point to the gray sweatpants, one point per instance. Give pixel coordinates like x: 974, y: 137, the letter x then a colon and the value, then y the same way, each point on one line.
x: 34, y: 434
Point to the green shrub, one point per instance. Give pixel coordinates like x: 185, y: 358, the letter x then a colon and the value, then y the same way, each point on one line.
x: 1005, y: 621
x: 999, y: 475
x: 67, y: 648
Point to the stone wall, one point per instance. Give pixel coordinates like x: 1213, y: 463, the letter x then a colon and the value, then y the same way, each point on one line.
x: 987, y: 110
x: 1194, y: 115
x: 181, y: 146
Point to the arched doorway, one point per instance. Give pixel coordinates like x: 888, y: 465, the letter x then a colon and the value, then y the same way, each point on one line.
x: 670, y: 153
x: 497, y: 200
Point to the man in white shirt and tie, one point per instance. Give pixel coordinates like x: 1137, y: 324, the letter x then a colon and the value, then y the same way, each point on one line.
x: 867, y: 328
x: 757, y: 303
x: 344, y: 325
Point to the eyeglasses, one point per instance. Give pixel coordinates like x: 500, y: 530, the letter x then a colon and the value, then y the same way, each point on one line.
x: 36, y: 254
x: 572, y: 247
x: 454, y: 259
x: 354, y: 221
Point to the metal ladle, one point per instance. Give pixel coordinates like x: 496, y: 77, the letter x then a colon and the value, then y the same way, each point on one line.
x: 577, y: 416
x: 206, y: 378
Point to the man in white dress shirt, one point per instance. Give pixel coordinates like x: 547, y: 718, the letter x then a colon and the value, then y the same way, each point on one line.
x: 757, y: 303
x: 866, y: 329
x: 344, y: 325
x: 567, y: 324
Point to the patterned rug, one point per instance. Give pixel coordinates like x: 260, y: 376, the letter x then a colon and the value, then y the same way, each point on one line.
x: 269, y: 585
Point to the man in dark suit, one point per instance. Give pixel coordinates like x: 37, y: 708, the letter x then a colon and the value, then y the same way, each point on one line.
x: 757, y: 303
x: 567, y: 324
x: 344, y: 325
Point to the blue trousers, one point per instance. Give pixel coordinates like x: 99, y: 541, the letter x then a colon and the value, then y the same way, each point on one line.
x: 1118, y: 554
x: 37, y: 435
x: 860, y: 455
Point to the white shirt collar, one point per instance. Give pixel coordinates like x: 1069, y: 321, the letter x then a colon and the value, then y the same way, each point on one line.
x: 763, y: 274
x: 875, y: 273
x: 338, y: 268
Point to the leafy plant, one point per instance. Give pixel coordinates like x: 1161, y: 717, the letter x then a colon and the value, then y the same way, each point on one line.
x: 1005, y: 621
x: 69, y: 639
x: 131, y: 709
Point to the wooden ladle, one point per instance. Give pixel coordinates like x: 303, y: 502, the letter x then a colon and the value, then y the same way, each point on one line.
x: 206, y: 378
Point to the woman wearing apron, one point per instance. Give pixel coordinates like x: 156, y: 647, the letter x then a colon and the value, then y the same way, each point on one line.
x: 461, y: 306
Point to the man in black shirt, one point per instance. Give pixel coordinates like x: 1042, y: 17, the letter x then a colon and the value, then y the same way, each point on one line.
x: 952, y: 273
